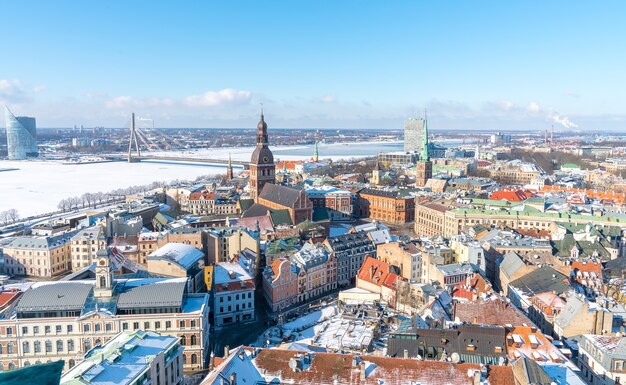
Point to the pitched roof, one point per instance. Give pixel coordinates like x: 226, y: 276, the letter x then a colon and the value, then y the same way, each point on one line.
x: 542, y: 280
x: 53, y: 296
x: 279, y: 194
x: 489, y: 312
x: 264, y: 365
x: 183, y: 255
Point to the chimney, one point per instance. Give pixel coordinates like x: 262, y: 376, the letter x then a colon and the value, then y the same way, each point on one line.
x: 226, y: 352
x: 362, y: 373
x: 475, y: 320
x: 477, y: 377
x: 406, y: 353
x: 233, y: 378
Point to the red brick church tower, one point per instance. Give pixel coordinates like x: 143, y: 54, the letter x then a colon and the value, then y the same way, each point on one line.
x: 262, y: 167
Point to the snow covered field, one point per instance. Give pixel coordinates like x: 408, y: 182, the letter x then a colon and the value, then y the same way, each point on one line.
x: 38, y: 186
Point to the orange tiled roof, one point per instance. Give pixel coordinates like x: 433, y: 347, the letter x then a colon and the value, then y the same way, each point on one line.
x: 374, y: 271
x: 511, y: 195
x: 204, y: 195
x: 608, y: 196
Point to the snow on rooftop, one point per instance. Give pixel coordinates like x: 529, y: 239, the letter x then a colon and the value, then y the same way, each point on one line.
x: 221, y: 273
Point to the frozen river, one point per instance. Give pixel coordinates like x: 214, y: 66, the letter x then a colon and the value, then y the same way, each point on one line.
x: 38, y: 186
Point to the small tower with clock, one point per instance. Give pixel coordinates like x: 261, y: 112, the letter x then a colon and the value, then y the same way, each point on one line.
x: 104, y: 275
x: 262, y: 167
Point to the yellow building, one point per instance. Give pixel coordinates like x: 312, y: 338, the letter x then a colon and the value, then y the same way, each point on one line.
x: 38, y: 256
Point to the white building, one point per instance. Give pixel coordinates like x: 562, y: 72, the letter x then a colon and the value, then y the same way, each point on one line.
x: 85, y: 245
x: 131, y: 358
x: 602, y: 359
x: 233, y: 294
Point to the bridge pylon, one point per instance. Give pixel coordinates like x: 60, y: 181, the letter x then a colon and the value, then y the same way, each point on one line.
x: 133, y: 138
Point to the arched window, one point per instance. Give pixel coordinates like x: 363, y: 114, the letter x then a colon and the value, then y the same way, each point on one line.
x: 183, y: 340
x: 27, y: 363
x: 37, y: 362
x: 193, y: 340
x: 184, y: 359
x: 26, y: 347
x: 103, y: 281
x: 10, y: 348
x: 194, y: 359
x: 59, y: 345
x: 11, y: 366
x: 98, y: 342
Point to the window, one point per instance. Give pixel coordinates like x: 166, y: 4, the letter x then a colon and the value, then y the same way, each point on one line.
x: 48, y: 346
x: 86, y: 327
x: 183, y: 340
x: 157, y: 325
x: 70, y: 345
x: 87, y: 345
x: 168, y: 324
x: 26, y: 347
x: 194, y: 359
x: 125, y: 326
x: 193, y: 323
x: 47, y: 329
x: 59, y: 346
x: 146, y: 325
x: 182, y: 324
x: 24, y: 329
x: 97, y: 327
x: 58, y: 328
x: 108, y: 327
x: 193, y: 340
x: 135, y: 325
x: 70, y: 328
x: 10, y: 348
x: 37, y: 345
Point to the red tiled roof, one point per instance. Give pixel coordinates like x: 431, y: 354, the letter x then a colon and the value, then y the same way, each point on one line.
x: 205, y: 195
x: 374, y: 271
x: 516, y: 195
x: 387, y: 370
x: 587, y: 266
x: 489, y: 312
x: 7, y: 296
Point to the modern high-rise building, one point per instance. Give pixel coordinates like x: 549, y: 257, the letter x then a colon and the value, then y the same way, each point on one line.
x: 414, y: 134
x: 21, y: 136
x: 424, y: 167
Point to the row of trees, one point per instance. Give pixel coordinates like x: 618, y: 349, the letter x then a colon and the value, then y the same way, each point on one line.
x: 94, y: 199
x: 9, y: 216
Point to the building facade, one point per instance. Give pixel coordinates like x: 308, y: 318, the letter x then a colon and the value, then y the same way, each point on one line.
x: 21, y: 136
x: 350, y: 250
x: 132, y: 358
x: 233, y: 294
x: 63, y: 320
x: 38, y: 256
x: 85, y: 245
x: 337, y: 202
x: 384, y: 205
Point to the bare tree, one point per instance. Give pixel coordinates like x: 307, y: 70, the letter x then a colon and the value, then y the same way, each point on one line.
x: 4, y: 217
x: 13, y: 215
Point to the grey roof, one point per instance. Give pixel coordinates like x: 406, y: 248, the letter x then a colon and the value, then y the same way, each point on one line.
x: 282, y: 195
x: 385, y: 193
x: 179, y: 253
x: 511, y: 263
x: 155, y: 293
x: 256, y: 210
x: 26, y: 242
x: 542, y: 280
x: 570, y: 311
x: 527, y: 371
x: 90, y: 232
x: 55, y: 296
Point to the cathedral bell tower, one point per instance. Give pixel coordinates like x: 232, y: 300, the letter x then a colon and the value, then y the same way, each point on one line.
x: 262, y: 167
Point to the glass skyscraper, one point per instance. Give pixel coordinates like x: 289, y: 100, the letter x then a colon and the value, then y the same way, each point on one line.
x: 21, y: 136
x: 414, y: 134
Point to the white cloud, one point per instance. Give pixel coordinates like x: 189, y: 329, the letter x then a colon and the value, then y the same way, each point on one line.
x: 533, y: 107
x: 217, y: 98
x: 328, y: 98
x: 11, y: 91
x: 122, y: 102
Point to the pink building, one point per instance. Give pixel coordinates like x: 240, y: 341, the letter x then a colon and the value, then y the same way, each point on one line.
x: 280, y: 284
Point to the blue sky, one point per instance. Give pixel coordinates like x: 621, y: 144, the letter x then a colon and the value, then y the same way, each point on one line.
x: 474, y: 65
